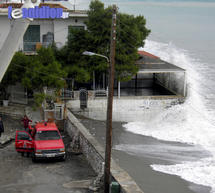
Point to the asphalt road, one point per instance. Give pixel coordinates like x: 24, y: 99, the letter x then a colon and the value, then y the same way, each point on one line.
x: 20, y: 175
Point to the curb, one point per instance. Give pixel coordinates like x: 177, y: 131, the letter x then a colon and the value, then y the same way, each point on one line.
x: 6, y: 142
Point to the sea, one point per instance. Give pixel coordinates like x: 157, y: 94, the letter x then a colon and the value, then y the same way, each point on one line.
x: 182, y: 33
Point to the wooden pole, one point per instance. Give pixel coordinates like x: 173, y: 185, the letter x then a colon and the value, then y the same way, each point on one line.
x: 110, y: 104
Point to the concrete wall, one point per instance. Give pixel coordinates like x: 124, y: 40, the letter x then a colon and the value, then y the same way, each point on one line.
x: 127, y: 108
x: 5, y: 24
x: 61, y: 28
x: 95, y: 155
x: 175, y: 82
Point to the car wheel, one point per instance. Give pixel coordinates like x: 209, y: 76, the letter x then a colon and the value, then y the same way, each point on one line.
x: 33, y: 157
x: 63, y: 158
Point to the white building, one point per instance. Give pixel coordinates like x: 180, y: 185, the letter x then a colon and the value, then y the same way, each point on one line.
x: 42, y: 32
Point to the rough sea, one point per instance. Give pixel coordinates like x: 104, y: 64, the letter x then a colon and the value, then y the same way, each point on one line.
x: 183, y: 33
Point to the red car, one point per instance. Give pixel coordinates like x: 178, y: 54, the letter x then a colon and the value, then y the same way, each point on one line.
x: 43, y: 141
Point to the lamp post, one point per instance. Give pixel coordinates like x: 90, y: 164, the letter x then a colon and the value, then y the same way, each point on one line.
x: 110, y: 99
x: 87, y: 53
x: 108, y: 122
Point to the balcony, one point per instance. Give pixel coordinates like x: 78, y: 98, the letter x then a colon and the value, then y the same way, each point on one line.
x: 30, y: 48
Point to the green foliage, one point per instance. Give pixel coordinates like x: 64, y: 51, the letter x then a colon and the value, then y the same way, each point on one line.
x: 99, y: 26
x: 14, y: 73
x: 44, y: 70
x: 35, y: 72
x: 38, y: 99
x: 131, y: 33
x: 16, y: 69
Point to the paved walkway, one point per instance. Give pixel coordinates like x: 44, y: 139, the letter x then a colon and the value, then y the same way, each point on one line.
x: 19, y: 174
x: 16, y: 111
x: 34, y: 115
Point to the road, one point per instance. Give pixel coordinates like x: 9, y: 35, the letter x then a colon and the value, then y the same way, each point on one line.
x: 19, y: 174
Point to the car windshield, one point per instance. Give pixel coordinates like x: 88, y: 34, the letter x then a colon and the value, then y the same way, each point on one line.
x: 47, y: 135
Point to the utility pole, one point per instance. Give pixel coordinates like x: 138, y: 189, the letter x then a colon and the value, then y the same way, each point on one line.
x: 110, y: 104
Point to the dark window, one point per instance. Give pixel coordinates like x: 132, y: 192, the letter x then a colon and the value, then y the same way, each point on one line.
x: 47, y: 135
x: 31, y: 37
x: 23, y: 136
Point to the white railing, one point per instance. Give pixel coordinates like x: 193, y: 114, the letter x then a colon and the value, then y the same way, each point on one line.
x: 100, y: 93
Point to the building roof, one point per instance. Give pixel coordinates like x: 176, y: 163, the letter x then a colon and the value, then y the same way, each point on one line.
x: 19, y: 5
x: 149, y: 63
x: 14, y: 5
x: 66, y: 6
x: 147, y: 54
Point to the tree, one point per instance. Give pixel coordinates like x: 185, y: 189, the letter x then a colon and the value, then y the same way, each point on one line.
x: 14, y: 73
x: 44, y: 70
x: 131, y: 33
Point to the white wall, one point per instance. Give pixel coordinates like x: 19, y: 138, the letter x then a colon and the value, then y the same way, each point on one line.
x: 126, y: 108
x: 61, y: 28
x: 4, y: 29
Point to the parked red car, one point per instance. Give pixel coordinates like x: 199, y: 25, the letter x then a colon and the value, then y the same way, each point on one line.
x: 42, y: 141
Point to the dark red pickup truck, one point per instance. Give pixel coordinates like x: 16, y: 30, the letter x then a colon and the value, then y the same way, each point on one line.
x: 43, y: 141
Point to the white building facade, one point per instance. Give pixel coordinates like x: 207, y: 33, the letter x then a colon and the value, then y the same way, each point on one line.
x: 42, y: 32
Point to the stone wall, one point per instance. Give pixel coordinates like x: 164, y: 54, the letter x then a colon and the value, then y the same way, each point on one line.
x: 95, y: 154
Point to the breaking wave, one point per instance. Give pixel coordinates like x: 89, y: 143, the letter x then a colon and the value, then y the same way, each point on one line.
x: 187, y: 123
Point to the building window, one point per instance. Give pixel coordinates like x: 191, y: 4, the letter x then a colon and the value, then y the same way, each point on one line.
x: 31, y: 38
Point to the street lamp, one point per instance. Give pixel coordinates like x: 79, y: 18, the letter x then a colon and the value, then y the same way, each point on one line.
x: 87, y: 53
x: 108, y: 121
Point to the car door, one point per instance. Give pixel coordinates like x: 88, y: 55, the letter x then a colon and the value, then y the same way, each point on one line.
x: 23, y: 142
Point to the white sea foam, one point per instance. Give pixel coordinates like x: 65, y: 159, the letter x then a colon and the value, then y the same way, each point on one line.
x: 199, y: 172
x: 187, y: 123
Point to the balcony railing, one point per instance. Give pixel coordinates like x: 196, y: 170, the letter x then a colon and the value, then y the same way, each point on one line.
x: 34, y: 46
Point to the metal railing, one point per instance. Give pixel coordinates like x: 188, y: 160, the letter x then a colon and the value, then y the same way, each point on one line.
x: 100, y: 93
x: 34, y: 46
x: 29, y: 46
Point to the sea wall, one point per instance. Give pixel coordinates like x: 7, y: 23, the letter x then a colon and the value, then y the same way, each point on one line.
x: 95, y: 154
x: 127, y: 108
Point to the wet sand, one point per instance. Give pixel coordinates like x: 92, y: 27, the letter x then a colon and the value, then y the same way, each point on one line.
x: 135, y: 154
